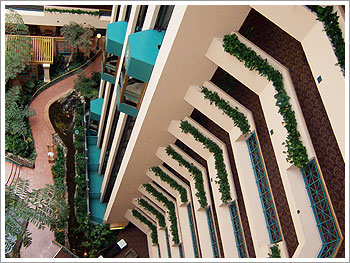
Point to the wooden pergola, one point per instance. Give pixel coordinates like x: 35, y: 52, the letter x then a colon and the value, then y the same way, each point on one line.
x: 43, y: 48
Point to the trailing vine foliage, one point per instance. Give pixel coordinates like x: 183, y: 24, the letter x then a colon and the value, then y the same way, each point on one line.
x: 171, y: 207
x: 144, y: 220
x: 275, y: 252
x: 333, y: 31
x: 296, y: 151
x: 173, y: 184
x: 151, y: 209
x: 72, y: 11
x: 195, y: 172
x: 239, y: 119
x: 222, y: 176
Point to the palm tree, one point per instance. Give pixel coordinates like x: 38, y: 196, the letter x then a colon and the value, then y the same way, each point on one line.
x: 78, y: 36
x: 41, y: 207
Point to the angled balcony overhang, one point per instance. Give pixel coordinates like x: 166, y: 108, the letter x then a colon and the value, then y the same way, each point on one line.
x: 115, y: 37
x: 141, y: 53
x: 96, y: 108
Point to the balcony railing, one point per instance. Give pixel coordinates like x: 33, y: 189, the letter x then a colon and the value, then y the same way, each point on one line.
x: 42, y: 48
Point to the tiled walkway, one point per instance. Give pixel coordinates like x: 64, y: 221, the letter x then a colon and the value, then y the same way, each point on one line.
x: 41, y: 175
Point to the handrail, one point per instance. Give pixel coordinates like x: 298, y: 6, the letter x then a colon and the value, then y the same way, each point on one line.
x: 12, y: 161
x: 65, y: 74
x: 65, y: 249
x: 86, y: 161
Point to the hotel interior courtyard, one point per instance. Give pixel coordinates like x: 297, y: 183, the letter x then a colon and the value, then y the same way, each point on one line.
x: 148, y: 130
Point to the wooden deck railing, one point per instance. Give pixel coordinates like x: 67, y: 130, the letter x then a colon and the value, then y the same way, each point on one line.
x: 43, y: 48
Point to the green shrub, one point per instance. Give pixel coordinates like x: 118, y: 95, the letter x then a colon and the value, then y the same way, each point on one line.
x: 239, y: 119
x: 296, y: 151
x: 172, y: 183
x: 221, y: 173
x: 171, y: 210
x: 151, y: 209
x: 195, y: 172
x: 275, y: 252
x: 333, y: 31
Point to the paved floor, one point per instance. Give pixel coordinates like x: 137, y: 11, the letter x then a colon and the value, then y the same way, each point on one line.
x: 41, y: 174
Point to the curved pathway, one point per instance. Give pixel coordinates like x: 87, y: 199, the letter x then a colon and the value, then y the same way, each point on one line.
x: 42, y: 247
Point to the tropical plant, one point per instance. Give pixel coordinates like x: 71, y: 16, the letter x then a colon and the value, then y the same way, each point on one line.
x: 221, y: 173
x: 42, y: 207
x: 172, y: 183
x: 195, y: 172
x: 239, y: 119
x: 333, y: 31
x: 18, y: 49
x: 15, y: 114
x: 141, y: 218
x: 88, y: 86
x: 93, y: 237
x: 296, y: 151
x: 78, y: 36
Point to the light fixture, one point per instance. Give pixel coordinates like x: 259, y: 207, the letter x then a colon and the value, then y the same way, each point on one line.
x: 98, y: 36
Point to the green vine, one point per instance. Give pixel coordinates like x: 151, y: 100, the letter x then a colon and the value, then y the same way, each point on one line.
x: 195, y: 172
x: 171, y: 207
x: 144, y: 220
x: 333, y: 31
x: 222, y: 176
x: 275, y: 252
x: 239, y: 119
x: 296, y: 151
x: 151, y: 209
x: 172, y: 183
x: 72, y: 11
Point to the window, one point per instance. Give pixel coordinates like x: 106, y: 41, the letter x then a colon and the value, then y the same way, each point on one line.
x: 193, y: 233
x: 214, y: 243
x: 320, y: 206
x: 264, y: 190
x: 237, y: 228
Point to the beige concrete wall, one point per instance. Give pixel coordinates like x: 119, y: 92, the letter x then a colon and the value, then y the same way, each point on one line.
x: 184, y: 226
x: 60, y: 19
x: 199, y: 216
x: 193, y: 27
x: 291, y: 177
x: 173, y: 247
x: 301, y: 23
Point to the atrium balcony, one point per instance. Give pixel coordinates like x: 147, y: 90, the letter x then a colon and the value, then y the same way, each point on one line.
x: 114, y: 44
x: 141, y: 54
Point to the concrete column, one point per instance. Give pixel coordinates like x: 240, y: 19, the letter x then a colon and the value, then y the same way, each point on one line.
x: 46, y: 72
x: 102, y: 88
x: 114, y: 14
x: 113, y: 107
x: 113, y: 152
x: 103, y: 113
x: 151, y: 17
x: 122, y: 12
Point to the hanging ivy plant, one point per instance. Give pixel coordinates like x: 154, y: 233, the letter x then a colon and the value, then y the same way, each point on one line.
x: 195, y: 172
x: 172, y: 183
x: 221, y: 173
x: 239, y: 119
x: 153, y: 228
x: 151, y: 209
x: 171, y: 210
x: 333, y: 31
x: 296, y: 151
x: 72, y: 11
